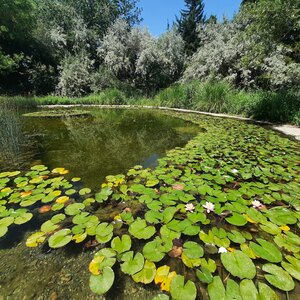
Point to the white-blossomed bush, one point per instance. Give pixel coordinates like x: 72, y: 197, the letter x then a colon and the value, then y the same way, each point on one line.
x: 75, y: 76
x: 144, y: 61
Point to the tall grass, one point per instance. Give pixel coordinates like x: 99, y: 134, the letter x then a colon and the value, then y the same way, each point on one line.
x: 11, y: 136
x: 218, y: 97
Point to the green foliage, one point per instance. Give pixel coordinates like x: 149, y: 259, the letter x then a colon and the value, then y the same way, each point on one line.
x: 190, y: 18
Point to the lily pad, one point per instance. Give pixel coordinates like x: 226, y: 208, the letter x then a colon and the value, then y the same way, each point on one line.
x: 140, y: 230
x: 147, y: 274
x: 35, y: 239
x: 156, y: 250
x: 238, y: 264
x: 266, y: 250
x: 74, y: 209
x: 100, y: 284
x: 104, y: 232
x: 60, y: 238
x: 237, y: 219
x: 278, y: 277
x: 180, y: 291
x: 216, y: 289
x: 121, y: 245
x: 192, y: 250
x: 132, y: 263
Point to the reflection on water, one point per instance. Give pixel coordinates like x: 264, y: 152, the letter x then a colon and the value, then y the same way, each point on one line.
x: 108, y: 142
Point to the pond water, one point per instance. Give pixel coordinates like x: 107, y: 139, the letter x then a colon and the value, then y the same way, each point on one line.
x: 226, y: 163
x: 107, y: 142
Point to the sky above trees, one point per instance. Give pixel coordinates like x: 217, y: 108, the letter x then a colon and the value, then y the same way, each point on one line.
x: 157, y: 13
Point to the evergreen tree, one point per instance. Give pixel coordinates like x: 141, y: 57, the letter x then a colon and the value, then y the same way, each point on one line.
x: 190, y: 19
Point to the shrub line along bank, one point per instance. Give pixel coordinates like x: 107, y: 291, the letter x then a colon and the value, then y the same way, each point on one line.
x: 290, y: 130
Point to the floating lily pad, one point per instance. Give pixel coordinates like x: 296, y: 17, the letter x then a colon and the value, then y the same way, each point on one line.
x: 164, y: 277
x: 35, y: 239
x: 238, y: 264
x: 140, y: 230
x: 216, y: 289
x: 147, y: 274
x: 278, y: 277
x: 180, y: 291
x: 132, y: 263
x: 100, y: 284
x: 60, y: 238
x: 74, y: 209
x: 104, y: 232
x: 121, y: 245
x: 266, y: 250
x: 156, y: 250
x: 237, y: 219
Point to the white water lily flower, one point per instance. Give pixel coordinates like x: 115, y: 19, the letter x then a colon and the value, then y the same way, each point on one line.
x: 256, y: 204
x: 189, y: 207
x: 222, y: 250
x: 234, y: 171
x: 209, y: 207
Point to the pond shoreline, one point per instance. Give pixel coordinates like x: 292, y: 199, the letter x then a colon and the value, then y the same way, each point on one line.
x: 290, y: 130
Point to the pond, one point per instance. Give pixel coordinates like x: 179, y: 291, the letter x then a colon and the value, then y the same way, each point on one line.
x: 106, y: 142
x: 215, y: 217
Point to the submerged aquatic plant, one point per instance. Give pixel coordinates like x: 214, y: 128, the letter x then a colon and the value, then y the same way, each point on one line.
x: 140, y: 221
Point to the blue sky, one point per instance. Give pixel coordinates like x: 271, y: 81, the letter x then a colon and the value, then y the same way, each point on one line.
x: 157, y: 13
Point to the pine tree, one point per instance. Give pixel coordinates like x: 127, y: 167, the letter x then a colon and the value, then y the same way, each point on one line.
x: 190, y: 19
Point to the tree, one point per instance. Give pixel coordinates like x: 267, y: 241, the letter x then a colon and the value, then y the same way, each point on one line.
x: 189, y: 21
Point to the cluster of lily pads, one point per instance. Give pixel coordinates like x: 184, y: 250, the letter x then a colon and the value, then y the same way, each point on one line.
x: 219, y: 216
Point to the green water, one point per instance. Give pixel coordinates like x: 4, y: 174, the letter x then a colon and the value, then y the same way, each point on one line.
x: 107, y: 142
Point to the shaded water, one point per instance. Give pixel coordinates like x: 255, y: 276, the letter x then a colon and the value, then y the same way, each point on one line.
x: 107, y: 142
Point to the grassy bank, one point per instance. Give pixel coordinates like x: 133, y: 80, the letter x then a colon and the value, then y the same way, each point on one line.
x: 277, y: 107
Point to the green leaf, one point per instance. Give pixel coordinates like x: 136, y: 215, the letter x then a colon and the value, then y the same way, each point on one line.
x: 236, y: 237
x: 293, y: 268
x: 281, y: 216
x: 266, y: 250
x: 74, y: 209
x: 121, y: 245
x: 48, y: 226
x: 237, y: 219
x: 216, y: 289
x: 60, y: 238
x: 248, y: 290
x: 180, y: 291
x: 204, y: 275
x: 147, y: 274
x: 24, y: 218
x: 3, y: 230
x: 266, y: 293
x: 84, y: 191
x: 100, y: 284
x: 238, y: 264
x: 156, y: 250
x: 104, y: 232
x: 140, y: 230
x: 232, y: 290
x: 132, y: 264
x: 278, y: 277
x: 192, y: 250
